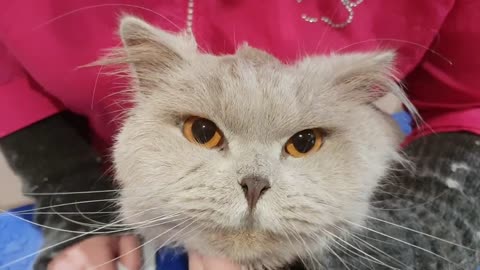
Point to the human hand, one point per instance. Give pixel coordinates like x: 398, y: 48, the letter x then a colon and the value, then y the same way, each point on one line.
x: 100, y: 253
x: 198, y: 262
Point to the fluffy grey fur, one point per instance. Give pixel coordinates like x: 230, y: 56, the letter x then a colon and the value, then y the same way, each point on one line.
x: 188, y: 195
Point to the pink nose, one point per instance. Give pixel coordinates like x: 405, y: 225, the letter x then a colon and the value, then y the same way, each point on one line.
x: 254, y: 187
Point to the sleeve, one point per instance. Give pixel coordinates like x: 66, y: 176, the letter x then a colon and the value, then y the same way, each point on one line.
x: 64, y: 175
x: 445, y: 87
x: 22, y: 102
x: 57, y: 164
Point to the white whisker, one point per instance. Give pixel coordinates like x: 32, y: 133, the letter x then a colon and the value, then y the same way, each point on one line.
x: 147, y: 242
x: 103, y: 5
x: 338, y: 257
x: 403, y: 242
x: 421, y: 233
x: 370, y: 246
x: 366, y: 255
x: 6, y: 266
x: 293, y: 247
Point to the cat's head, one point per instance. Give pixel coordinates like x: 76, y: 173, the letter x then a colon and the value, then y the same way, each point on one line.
x: 246, y: 157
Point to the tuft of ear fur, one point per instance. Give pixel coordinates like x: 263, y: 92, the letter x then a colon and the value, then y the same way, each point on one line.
x: 366, y: 76
x: 255, y: 56
x: 136, y: 33
x: 151, y: 50
x: 148, y: 52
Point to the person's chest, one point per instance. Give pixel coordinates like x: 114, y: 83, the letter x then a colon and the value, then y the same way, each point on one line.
x: 53, y: 39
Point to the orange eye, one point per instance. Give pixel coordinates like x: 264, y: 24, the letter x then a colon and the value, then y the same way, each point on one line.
x: 203, y: 132
x: 304, y: 142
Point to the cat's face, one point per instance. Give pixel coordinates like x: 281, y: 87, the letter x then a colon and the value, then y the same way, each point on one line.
x: 195, y: 194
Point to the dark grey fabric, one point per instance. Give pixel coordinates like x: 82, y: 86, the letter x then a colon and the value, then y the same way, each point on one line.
x: 439, y: 197
x: 54, y: 156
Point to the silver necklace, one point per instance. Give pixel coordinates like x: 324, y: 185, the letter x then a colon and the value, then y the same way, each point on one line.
x: 349, y: 6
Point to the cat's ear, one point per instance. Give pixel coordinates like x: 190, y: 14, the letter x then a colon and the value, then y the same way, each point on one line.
x: 365, y: 77
x: 149, y: 50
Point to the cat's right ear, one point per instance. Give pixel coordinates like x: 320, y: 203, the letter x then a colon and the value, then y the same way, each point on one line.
x: 149, y: 50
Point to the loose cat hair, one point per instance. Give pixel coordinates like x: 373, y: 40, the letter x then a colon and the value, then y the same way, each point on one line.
x: 190, y: 195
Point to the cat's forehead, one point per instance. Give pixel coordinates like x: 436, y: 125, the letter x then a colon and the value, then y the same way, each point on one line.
x: 257, y: 97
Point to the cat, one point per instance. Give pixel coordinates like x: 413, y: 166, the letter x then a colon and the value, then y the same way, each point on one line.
x: 245, y: 157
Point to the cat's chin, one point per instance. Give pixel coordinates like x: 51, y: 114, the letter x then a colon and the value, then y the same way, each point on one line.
x: 250, y: 247
x: 246, y: 245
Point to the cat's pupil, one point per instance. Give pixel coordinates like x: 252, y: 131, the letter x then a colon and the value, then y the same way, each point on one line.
x: 203, y: 130
x: 304, y: 140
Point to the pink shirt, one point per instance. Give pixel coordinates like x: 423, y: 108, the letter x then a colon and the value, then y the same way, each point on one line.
x: 43, y: 43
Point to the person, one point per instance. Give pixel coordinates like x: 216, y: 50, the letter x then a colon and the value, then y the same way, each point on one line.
x: 57, y: 120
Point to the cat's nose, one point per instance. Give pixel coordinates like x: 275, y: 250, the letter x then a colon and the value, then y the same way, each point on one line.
x: 254, y: 187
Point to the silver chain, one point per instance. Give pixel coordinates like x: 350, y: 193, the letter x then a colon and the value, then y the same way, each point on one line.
x: 190, y: 16
x: 349, y: 6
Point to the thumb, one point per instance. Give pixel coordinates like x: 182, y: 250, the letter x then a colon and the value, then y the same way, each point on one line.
x: 197, y: 262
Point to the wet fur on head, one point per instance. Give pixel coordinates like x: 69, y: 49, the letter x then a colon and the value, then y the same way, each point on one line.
x: 258, y: 103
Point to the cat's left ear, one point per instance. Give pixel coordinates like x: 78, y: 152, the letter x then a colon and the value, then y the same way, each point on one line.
x: 364, y: 77
x: 151, y: 50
